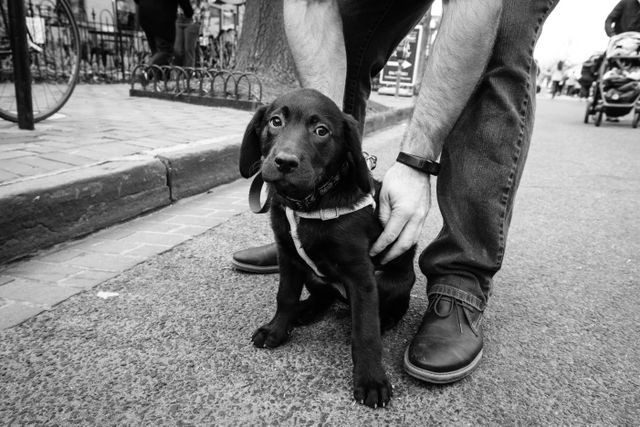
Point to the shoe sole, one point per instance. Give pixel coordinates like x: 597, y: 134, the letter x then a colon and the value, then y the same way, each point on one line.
x: 440, y: 377
x: 248, y: 268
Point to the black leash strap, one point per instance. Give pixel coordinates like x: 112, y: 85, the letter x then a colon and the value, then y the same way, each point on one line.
x: 255, y: 191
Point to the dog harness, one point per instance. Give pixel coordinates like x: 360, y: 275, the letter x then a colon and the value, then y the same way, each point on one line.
x: 322, y: 214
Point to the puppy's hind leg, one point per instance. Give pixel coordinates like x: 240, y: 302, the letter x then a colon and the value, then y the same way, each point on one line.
x: 321, y: 296
x: 395, y: 281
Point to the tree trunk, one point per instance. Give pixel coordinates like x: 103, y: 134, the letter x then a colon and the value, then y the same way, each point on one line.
x: 263, y: 47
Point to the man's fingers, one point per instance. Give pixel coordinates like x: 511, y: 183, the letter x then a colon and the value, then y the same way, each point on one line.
x: 385, y: 208
x: 391, y: 231
x: 407, y: 238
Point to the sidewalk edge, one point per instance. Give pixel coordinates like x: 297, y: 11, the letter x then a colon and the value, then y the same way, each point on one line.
x: 49, y: 210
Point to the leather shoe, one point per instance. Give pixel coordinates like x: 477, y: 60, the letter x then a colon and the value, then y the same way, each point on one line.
x: 259, y: 259
x: 448, y: 345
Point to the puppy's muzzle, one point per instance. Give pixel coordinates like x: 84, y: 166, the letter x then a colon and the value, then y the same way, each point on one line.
x: 286, y: 163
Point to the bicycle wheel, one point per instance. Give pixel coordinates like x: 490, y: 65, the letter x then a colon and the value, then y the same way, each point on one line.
x: 54, y: 55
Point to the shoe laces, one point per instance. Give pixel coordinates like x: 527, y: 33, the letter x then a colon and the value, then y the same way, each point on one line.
x: 452, y: 306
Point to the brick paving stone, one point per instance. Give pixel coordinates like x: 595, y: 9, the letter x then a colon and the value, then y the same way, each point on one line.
x: 86, y: 279
x: 61, y: 254
x: 149, y: 250
x: 12, y: 154
x: 155, y: 238
x: 11, y: 146
x: 33, y: 165
x: 180, y: 209
x: 35, y: 292
x: 81, y: 247
x: 190, y: 230
x: 68, y: 158
x: 20, y: 169
x: 162, y: 217
x: 120, y: 246
x: 14, y: 313
x: 140, y: 224
x: 61, y: 143
x: 41, y: 149
x: 7, y: 176
x: 44, y: 163
x: 105, y: 262
x: 113, y: 149
x: 42, y: 271
x: 204, y: 221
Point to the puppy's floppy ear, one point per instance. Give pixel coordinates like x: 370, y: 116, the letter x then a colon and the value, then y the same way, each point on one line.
x: 358, y: 166
x: 250, y: 149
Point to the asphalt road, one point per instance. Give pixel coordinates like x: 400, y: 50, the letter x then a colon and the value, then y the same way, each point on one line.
x: 174, y: 347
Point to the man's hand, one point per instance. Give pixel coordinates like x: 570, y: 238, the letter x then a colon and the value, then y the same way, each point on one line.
x: 405, y: 199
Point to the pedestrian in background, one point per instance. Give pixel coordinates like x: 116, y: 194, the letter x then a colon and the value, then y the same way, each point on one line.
x: 557, y: 79
x: 624, y: 17
x: 187, y: 30
x: 158, y: 21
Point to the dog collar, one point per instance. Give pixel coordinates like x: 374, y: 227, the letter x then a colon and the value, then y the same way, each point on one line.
x: 308, y: 202
x: 325, y: 215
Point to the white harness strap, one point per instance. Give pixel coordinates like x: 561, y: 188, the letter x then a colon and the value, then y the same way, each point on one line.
x: 325, y: 215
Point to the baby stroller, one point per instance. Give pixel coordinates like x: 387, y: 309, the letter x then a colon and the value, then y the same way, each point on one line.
x: 616, y: 92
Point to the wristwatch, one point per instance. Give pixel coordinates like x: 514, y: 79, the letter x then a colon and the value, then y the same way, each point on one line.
x: 419, y: 163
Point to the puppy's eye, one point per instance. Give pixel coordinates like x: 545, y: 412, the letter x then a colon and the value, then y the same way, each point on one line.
x: 275, y: 122
x: 321, y: 131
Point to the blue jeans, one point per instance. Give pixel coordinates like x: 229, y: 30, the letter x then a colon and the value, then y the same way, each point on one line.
x: 186, y: 40
x: 483, y: 157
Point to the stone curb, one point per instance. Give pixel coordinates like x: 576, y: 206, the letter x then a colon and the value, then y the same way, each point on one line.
x: 47, y: 210
x: 41, y: 212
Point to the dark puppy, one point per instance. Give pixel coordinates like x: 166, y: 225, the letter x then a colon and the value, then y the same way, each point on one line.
x: 324, y: 222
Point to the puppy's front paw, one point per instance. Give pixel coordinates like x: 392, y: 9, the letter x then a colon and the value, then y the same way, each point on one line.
x: 269, y: 335
x: 373, y: 390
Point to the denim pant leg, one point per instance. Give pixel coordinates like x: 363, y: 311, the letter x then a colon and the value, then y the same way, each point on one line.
x: 190, y: 44
x: 482, y: 162
x: 372, y: 30
x: 179, y: 45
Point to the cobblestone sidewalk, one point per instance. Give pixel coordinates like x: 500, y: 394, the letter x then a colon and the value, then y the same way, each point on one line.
x: 102, y: 123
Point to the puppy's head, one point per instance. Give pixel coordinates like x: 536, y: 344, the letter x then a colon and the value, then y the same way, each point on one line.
x: 300, y: 141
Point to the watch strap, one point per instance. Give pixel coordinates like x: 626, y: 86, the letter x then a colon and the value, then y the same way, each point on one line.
x: 419, y: 163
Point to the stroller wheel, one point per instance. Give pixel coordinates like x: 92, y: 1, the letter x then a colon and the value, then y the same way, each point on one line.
x: 636, y: 119
x: 599, y: 118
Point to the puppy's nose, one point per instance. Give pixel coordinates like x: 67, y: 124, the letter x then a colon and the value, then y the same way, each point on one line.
x: 286, y: 162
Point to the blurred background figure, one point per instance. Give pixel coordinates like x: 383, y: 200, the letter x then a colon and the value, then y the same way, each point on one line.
x: 589, y: 73
x: 187, y: 31
x: 557, y: 79
x: 624, y: 17
x: 158, y: 21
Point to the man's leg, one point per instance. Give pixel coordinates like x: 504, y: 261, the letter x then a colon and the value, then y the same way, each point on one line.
x: 164, y: 44
x: 481, y: 165
x: 164, y: 52
x: 179, y: 45
x: 356, y: 37
x: 191, y: 43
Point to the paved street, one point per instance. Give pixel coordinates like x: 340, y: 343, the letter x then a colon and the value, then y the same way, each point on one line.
x: 168, y: 341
